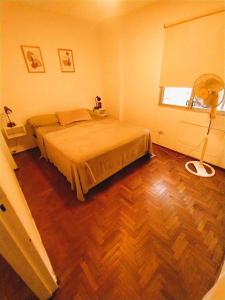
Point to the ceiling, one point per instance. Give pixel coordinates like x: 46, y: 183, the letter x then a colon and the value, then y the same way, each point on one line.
x: 95, y: 10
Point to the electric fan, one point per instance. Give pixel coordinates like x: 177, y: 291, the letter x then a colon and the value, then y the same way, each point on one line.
x: 208, y: 92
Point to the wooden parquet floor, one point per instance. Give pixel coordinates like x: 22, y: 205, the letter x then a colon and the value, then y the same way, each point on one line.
x: 152, y: 231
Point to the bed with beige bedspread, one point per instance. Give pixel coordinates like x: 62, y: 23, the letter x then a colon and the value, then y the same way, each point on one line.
x: 88, y: 152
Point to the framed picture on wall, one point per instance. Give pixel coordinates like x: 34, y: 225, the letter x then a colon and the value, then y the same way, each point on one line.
x: 33, y: 59
x: 66, y: 60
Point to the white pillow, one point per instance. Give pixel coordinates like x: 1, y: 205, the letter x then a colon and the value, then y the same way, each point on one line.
x: 68, y: 117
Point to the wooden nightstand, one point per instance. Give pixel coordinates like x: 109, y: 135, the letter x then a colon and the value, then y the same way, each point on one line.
x: 15, y: 132
x: 101, y: 112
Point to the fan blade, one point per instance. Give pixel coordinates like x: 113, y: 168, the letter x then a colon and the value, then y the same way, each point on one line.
x: 202, y: 92
x: 214, y: 84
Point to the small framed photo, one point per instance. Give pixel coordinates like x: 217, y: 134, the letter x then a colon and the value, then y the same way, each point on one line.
x: 66, y: 60
x: 33, y: 59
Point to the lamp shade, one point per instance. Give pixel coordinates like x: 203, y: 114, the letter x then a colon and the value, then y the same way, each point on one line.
x: 7, y: 110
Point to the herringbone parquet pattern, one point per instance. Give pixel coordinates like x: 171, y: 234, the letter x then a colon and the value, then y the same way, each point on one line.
x: 151, y: 232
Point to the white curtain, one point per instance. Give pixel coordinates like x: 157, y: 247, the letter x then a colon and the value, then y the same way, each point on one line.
x: 193, y: 48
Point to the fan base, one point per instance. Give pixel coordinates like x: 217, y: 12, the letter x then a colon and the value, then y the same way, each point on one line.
x: 200, y: 169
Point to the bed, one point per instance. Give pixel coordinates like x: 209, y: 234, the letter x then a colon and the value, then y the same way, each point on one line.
x: 88, y: 152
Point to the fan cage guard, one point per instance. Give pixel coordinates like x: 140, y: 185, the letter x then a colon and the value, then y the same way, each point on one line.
x: 203, y: 78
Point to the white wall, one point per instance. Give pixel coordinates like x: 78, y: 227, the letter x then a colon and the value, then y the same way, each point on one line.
x: 31, y: 94
x: 132, y: 48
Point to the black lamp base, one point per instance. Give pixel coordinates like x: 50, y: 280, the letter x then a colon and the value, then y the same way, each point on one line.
x: 11, y: 124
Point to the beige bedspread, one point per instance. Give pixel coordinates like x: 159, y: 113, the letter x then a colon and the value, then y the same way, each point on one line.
x: 91, y: 151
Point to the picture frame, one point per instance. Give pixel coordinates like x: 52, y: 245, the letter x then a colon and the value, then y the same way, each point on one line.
x: 66, y: 60
x: 33, y: 59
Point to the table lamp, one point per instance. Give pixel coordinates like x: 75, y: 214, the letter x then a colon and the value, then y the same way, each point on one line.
x: 7, y: 112
x: 98, y: 103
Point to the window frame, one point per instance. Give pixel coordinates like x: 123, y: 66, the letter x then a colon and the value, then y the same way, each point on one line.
x: 189, y: 107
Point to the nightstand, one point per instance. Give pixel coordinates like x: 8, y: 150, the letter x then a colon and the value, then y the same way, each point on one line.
x: 15, y: 132
x: 100, y: 112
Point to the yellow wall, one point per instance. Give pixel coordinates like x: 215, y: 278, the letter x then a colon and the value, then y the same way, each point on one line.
x: 110, y: 43
x: 120, y: 59
x: 132, y: 49
x: 20, y: 242
x: 29, y: 94
x: 1, y: 55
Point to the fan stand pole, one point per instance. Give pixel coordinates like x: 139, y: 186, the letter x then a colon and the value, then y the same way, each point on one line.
x: 199, y: 168
x: 205, y: 142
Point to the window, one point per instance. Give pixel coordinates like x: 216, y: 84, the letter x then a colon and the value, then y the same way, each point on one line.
x: 189, y: 52
x: 176, y: 96
x: 221, y: 106
x: 180, y: 96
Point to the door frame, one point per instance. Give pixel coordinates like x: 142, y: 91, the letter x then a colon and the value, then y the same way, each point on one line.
x: 20, y: 241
